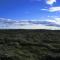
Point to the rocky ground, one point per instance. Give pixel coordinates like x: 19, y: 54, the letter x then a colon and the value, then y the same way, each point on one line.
x: 29, y: 44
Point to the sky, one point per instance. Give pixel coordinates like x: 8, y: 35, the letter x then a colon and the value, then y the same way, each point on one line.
x: 29, y: 9
x: 29, y: 14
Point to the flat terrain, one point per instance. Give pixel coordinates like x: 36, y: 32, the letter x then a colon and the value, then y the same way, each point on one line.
x: 22, y: 44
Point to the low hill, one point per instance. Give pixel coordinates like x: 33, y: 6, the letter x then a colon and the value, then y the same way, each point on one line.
x: 19, y: 44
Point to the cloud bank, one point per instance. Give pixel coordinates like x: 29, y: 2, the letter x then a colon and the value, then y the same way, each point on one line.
x: 30, y: 24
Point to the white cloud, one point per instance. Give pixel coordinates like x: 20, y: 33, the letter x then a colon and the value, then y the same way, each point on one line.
x: 55, y: 20
x: 26, y: 24
x: 52, y: 9
x: 50, y: 2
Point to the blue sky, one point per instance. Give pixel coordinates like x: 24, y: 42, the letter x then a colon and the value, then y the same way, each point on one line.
x: 44, y: 12
x: 27, y: 9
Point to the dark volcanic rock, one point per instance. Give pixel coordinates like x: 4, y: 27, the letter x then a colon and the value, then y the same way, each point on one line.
x: 29, y: 44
